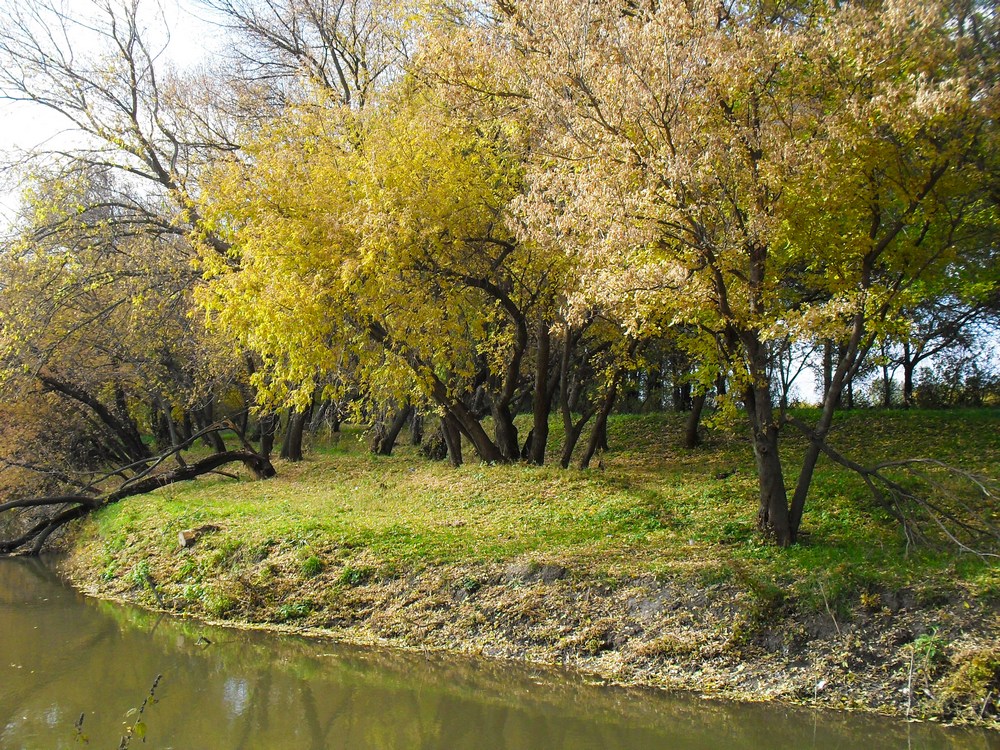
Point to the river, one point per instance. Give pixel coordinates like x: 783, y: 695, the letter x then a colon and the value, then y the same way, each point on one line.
x: 63, y: 655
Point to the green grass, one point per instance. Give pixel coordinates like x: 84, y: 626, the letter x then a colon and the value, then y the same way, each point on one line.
x: 655, y: 508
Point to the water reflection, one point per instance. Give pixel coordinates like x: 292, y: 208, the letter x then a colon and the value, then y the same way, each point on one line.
x: 61, y: 655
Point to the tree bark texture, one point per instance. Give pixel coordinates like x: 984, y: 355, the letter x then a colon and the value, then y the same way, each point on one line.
x: 452, y: 439
x: 772, y: 513
x: 291, y: 447
x: 387, y: 440
x: 599, y: 434
x: 691, y: 437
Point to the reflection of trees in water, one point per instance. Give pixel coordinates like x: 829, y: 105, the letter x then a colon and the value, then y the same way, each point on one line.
x: 39, y: 689
x: 320, y: 732
x: 256, y: 717
x: 25, y: 581
x: 41, y: 630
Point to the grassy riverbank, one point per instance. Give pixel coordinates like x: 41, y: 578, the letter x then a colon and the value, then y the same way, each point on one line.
x: 647, y: 570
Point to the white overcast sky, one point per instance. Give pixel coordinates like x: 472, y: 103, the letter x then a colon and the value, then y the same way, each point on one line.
x: 27, y: 126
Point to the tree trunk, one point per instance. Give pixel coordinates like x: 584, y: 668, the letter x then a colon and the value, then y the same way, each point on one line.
x: 886, y: 388
x: 81, y: 505
x: 827, y: 366
x: 212, y: 439
x: 291, y: 447
x: 542, y: 404
x: 846, y: 367
x: 452, y: 439
x: 909, y: 365
x: 318, y: 416
x: 567, y: 401
x: 467, y: 424
x: 268, y: 428
x: 244, y: 424
x: 506, y: 432
x: 773, y: 512
x: 599, y: 433
x: 187, y: 428
x: 572, y: 437
x: 691, y: 437
x: 158, y: 424
x: 416, y: 428
x: 168, y: 417
x: 387, y: 441
x: 121, y: 426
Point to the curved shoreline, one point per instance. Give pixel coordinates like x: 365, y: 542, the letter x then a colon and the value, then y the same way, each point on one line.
x: 676, y: 634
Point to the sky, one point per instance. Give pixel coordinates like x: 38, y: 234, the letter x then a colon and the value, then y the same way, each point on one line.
x: 27, y: 126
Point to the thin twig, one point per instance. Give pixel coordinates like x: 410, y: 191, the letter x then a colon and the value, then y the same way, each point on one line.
x: 909, y: 687
x: 828, y: 610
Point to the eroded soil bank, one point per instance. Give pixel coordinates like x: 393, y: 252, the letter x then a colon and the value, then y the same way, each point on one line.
x: 902, y: 653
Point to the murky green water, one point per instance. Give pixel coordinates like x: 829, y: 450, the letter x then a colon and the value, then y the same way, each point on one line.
x: 62, y: 655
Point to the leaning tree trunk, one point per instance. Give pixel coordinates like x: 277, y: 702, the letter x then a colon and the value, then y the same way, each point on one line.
x: 462, y: 417
x: 691, y: 437
x: 386, y: 441
x: 71, y: 507
x: 572, y: 436
x: 602, y: 436
x: 599, y: 435
x: 122, y: 427
x: 468, y: 425
x: 848, y: 364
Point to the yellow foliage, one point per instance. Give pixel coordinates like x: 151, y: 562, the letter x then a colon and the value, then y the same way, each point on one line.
x: 362, y: 237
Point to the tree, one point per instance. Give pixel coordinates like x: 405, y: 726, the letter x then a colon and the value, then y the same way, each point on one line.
x: 350, y: 49
x: 150, y: 127
x: 100, y: 69
x: 103, y: 489
x: 101, y: 318
x: 379, y: 236
x: 754, y: 172
x: 938, y: 325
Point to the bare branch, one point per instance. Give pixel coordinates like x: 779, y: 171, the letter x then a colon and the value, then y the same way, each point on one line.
x: 943, y: 507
